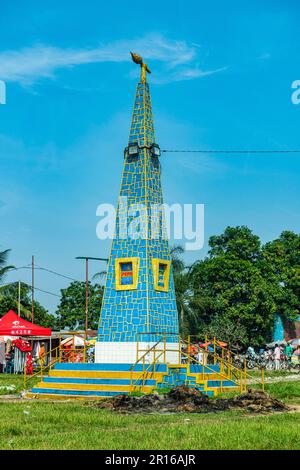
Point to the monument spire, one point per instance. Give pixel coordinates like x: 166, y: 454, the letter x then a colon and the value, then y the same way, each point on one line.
x: 139, y: 298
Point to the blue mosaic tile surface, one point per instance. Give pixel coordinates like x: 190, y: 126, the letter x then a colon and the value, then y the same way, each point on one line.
x: 128, y: 313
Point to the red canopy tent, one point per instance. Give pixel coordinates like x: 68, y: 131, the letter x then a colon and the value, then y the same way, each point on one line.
x: 13, y: 325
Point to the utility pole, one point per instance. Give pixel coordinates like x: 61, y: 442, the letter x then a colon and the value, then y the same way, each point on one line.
x: 32, y: 289
x: 86, y: 295
x: 87, y: 258
x: 19, y: 298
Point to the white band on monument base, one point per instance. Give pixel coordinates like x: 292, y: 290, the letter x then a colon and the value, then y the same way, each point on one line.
x: 126, y: 352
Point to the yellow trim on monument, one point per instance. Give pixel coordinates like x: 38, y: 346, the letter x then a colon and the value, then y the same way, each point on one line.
x: 135, y: 273
x: 155, y: 267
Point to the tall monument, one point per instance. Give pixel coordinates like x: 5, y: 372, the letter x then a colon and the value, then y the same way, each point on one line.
x: 139, y: 305
x: 138, y: 324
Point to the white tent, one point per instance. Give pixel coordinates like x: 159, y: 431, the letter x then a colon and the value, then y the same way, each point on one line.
x: 73, y: 341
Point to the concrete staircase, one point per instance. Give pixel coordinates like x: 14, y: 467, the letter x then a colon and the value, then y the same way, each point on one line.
x: 98, y: 381
x: 209, y: 382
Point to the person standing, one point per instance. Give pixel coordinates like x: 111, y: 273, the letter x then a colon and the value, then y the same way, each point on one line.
x: 289, y: 352
x: 200, y: 356
x: 277, y: 354
x: 42, y: 355
x: 29, y: 364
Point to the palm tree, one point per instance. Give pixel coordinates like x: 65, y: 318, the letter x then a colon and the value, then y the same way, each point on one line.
x: 182, y: 290
x: 3, y: 267
x: 100, y: 276
x: 9, y: 299
x: 176, y: 251
x: 8, y: 293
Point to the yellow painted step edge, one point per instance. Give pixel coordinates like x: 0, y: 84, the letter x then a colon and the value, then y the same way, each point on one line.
x: 104, y: 375
x: 54, y: 396
x: 104, y: 387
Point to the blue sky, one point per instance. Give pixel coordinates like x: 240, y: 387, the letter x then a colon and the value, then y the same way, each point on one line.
x: 221, y: 78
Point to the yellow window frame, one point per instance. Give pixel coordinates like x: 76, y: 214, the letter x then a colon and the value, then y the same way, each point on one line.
x: 155, y: 267
x: 135, y: 273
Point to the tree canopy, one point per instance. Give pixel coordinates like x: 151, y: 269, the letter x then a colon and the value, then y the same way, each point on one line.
x: 233, y: 293
x: 9, y: 296
x: 71, y: 309
x: 283, y: 257
x: 245, y: 283
x: 4, y: 267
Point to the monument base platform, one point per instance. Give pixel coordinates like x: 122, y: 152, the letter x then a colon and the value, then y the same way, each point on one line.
x: 126, y: 352
x: 86, y: 381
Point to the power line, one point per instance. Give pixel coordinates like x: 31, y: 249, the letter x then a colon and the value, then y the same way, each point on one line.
x: 29, y: 285
x: 48, y: 270
x: 56, y: 273
x: 45, y: 291
x: 41, y: 268
x: 27, y: 266
x: 230, y: 151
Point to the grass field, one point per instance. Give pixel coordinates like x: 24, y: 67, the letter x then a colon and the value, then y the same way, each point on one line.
x: 76, y: 425
x: 36, y: 425
x: 286, y: 391
x: 272, y: 373
x: 11, y: 384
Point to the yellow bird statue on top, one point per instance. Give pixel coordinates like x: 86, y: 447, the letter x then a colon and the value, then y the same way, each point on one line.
x: 144, y: 67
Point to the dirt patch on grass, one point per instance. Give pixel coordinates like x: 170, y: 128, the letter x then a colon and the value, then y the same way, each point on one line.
x: 190, y: 400
x: 257, y: 401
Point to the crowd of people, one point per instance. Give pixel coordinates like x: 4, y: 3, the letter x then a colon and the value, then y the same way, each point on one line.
x: 277, y: 356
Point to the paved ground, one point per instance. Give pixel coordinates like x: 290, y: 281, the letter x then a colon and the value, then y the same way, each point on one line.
x: 282, y: 378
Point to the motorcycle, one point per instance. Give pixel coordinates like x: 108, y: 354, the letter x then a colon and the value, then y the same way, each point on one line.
x: 250, y: 361
x: 238, y: 361
x: 261, y: 361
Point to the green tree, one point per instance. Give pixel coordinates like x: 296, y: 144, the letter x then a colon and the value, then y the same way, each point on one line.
x: 283, y: 258
x: 4, y: 267
x: 10, y: 301
x: 233, y: 333
x: 71, y: 309
x: 235, y: 282
x: 186, y: 315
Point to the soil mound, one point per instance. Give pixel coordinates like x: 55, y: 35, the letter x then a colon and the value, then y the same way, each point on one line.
x: 257, y: 401
x: 191, y: 400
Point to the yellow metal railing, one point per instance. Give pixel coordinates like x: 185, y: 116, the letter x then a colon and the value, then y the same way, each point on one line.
x: 248, y: 377
x: 205, y: 368
x: 227, y: 371
x: 142, y: 359
x: 163, y: 340
x: 59, y: 354
x: 214, y: 343
x: 226, y: 360
x: 42, y: 363
x: 222, y: 375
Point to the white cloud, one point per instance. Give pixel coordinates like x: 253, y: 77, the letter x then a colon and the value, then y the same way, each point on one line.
x: 186, y: 73
x: 28, y: 65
